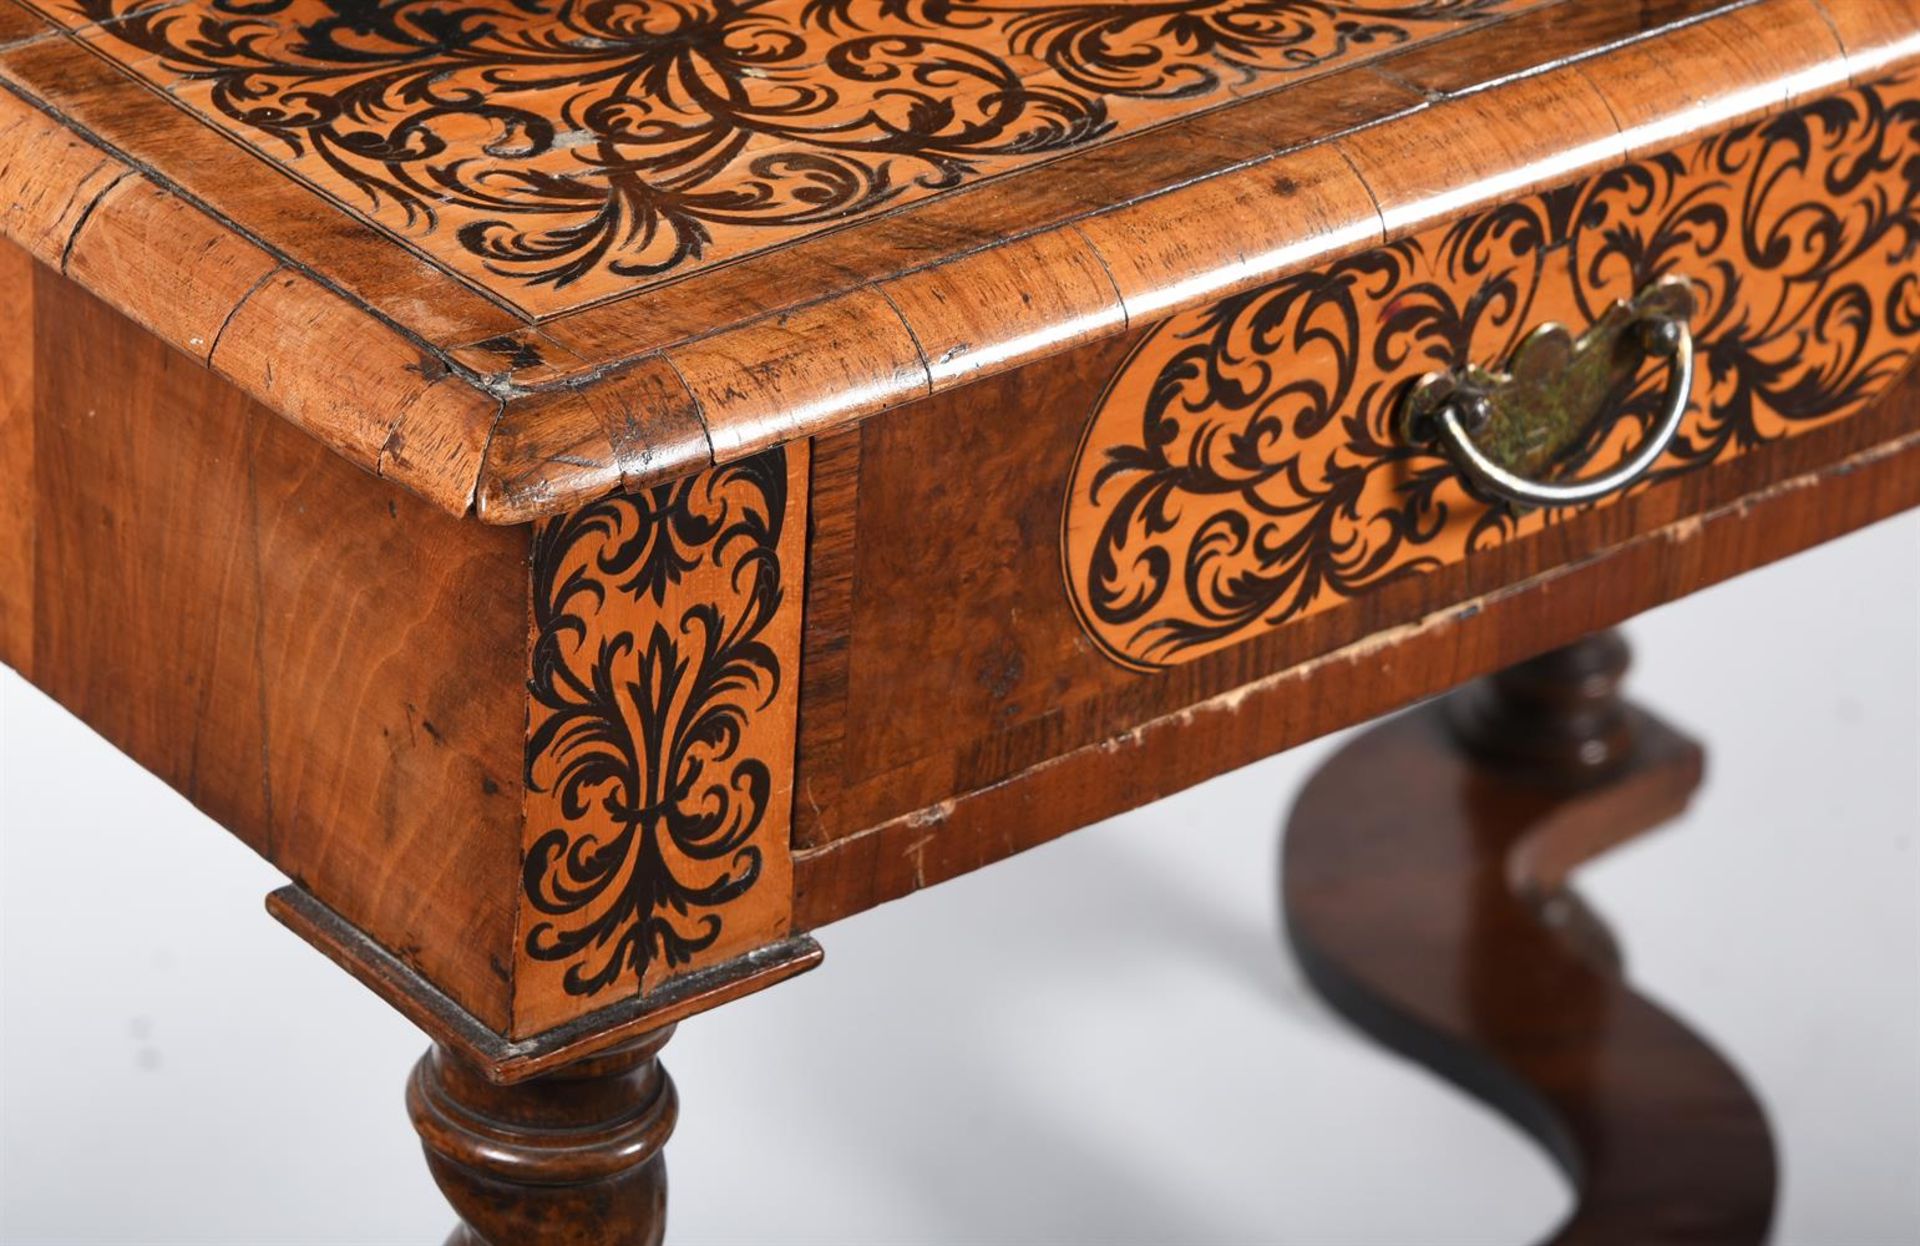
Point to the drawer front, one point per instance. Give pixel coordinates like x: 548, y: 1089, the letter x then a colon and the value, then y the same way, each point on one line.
x: 1042, y: 561
x: 1246, y: 467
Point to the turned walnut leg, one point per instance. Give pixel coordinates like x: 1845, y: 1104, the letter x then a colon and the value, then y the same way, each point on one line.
x: 1425, y: 885
x: 572, y: 1158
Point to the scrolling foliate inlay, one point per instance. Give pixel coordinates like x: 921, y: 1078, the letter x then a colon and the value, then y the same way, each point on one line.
x: 558, y: 152
x: 1246, y: 467
x: 663, y: 692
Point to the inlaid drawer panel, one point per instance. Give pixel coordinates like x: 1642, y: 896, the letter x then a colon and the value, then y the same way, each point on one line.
x: 1162, y: 517
x: 1248, y: 467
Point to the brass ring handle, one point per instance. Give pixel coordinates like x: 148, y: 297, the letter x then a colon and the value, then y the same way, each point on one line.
x: 1496, y: 427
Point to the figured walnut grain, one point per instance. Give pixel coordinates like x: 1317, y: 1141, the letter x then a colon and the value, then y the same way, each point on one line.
x: 328, y: 667
x: 1489, y: 147
x: 414, y: 424
x: 1045, y: 294
x: 800, y: 373
x: 635, y: 428
x: 1880, y: 36
x: 49, y: 179
x: 165, y: 265
x: 16, y: 462
x: 1160, y: 264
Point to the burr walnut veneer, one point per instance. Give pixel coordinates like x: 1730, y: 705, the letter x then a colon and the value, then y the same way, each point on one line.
x: 595, y: 492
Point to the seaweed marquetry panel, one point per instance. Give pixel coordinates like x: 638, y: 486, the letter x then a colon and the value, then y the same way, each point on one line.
x: 660, y: 748
x: 555, y: 154
x: 1246, y: 468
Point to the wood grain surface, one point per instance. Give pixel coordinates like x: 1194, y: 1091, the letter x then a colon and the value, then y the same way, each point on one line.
x: 1435, y: 913
x: 571, y: 1159
x: 543, y: 772
x: 16, y: 466
x: 329, y: 668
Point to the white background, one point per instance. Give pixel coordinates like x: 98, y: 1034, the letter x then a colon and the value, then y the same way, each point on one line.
x: 1101, y: 1041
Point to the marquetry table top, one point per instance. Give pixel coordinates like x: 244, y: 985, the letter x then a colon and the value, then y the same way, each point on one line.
x: 518, y: 254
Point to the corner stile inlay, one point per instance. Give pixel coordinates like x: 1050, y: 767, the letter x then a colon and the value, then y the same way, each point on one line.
x: 659, y: 769
x: 1245, y: 469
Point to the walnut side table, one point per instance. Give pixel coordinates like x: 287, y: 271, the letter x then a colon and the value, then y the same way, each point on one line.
x: 595, y: 493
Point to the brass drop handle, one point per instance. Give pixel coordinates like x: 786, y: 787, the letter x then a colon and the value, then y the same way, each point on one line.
x: 1502, y: 428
